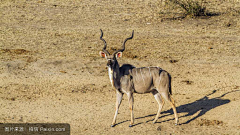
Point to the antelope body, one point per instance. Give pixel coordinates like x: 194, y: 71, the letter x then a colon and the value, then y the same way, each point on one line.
x: 129, y: 79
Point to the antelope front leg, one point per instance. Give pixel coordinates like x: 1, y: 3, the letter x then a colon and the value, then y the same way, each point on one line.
x: 130, y: 99
x: 118, y: 102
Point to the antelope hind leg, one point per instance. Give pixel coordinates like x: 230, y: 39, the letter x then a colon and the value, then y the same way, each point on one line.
x: 174, y: 110
x: 160, y: 102
x: 170, y: 99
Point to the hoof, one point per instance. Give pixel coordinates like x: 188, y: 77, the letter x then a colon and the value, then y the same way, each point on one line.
x: 130, y: 125
x: 113, y: 125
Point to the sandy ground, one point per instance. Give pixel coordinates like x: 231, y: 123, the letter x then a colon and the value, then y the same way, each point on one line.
x: 51, y: 72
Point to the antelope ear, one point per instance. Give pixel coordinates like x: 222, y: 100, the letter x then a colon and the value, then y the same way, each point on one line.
x: 102, y: 54
x: 119, y: 55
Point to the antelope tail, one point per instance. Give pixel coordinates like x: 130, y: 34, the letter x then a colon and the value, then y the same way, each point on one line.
x: 170, y: 85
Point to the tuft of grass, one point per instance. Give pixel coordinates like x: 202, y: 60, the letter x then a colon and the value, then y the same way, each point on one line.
x: 192, y: 8
x: 234, y: 12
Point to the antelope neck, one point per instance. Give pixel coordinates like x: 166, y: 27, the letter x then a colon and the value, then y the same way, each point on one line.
x: 114, y: 73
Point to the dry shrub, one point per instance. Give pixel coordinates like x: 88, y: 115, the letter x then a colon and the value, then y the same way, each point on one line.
x: 192, y: 8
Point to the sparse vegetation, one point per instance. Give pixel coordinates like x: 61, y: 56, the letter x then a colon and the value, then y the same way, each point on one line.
x: 51, y: 72
x: 191, y: 8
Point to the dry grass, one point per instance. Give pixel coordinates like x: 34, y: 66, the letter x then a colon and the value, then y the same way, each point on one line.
x: 50, y: 69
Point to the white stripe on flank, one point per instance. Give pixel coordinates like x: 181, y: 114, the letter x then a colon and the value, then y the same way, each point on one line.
x: 149, y: 71
x: 142, y: 77
x: 136, y: 74
x: 160, y: 79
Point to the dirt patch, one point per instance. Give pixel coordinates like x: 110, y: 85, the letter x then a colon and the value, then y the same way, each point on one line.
x: 205, y: 122
x: 187, y: 82
x: 15, y: 51
x: 51, y: 72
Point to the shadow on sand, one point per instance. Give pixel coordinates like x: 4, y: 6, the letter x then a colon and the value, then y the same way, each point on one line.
x: 202, y: 106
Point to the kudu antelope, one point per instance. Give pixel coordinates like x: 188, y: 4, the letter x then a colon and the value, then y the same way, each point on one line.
x: 129, y: 79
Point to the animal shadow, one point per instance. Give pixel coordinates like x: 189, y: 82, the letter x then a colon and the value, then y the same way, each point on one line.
x: 203, y: 105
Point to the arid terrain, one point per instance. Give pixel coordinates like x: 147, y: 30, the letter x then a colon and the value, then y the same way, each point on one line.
x: 51, y: 71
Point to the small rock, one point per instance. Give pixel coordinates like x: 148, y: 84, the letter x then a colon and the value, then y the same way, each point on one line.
x: 159, y: 128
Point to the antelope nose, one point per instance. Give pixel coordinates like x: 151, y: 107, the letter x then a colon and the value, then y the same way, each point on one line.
x: 109, y: 63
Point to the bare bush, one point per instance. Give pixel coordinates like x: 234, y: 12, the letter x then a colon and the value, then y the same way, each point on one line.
x: 191, y: 8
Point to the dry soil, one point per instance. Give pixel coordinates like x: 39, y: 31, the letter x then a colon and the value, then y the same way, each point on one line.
x: 51, y: 71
